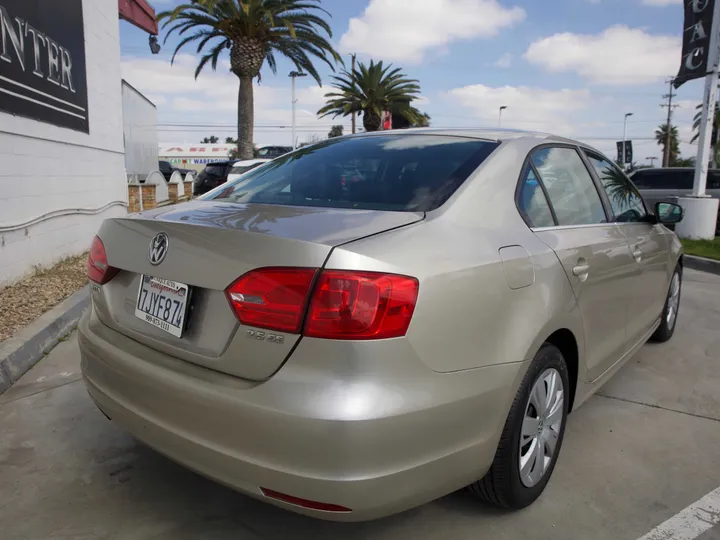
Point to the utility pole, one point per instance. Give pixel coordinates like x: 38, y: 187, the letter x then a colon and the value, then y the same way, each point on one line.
x: 294, y: 75
x: 353, y: 80
x: 669, y: 96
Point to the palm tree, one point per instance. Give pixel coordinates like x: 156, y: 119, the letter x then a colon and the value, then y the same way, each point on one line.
x: 423, y: 121
x: 661, y: 136
x: 254, y: 31
x: 370, y: 90
x: 716, y: 124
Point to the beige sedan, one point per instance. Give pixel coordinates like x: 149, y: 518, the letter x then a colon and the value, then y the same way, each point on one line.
x: 351, y: 349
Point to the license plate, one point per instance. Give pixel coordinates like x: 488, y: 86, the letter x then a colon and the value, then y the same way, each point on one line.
x: 162, y: 303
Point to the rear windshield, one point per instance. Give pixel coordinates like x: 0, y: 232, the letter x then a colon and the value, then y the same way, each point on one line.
x: 240, y: 169
x: 215, y: 170
x: 384, y: 172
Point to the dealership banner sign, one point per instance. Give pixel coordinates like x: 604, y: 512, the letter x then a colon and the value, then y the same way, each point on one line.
x: 697, y: 30
x: 42, y: 62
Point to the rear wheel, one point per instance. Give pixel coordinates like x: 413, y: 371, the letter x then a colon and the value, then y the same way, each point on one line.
x: 670, y: 312
x: 532, y: 436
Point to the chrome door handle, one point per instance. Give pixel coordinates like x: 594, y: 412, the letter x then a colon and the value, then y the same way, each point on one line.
x: 581, y: 270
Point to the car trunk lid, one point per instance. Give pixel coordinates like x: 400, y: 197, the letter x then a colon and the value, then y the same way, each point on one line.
x: 211, y: 244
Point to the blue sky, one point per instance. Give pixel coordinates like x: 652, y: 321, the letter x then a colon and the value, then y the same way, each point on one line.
x: 571, y: 67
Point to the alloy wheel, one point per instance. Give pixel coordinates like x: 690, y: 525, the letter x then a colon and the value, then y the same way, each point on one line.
x: 673, y: 300
x: 541, y: 427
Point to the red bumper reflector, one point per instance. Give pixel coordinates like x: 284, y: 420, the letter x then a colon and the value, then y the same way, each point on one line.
x: 297, y: 501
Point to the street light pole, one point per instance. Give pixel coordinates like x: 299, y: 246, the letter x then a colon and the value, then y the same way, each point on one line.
x: 293, y: 75
x: 624, y: 138
x: 502, y: 108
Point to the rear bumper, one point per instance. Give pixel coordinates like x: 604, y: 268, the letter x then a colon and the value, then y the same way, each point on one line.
x: 376, y: 443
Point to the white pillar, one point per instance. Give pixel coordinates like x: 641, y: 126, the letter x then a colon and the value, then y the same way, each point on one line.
x: 700, y: 218
x: 700, y: 210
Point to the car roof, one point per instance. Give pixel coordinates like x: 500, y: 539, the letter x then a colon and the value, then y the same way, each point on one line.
x: 489, y: 134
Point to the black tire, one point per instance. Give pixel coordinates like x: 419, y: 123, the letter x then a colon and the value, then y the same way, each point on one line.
x: 502, y: 485
x: 666, y: 330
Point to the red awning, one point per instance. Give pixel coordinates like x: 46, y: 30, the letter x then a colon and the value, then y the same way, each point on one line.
x: 140, y: 14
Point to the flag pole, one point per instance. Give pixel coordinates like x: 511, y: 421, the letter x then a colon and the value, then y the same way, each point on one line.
x: 708, y: 109
x: 700, y: 210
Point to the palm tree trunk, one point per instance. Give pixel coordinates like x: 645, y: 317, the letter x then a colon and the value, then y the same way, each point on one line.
x: 245, y: 118
x: 371, y: 121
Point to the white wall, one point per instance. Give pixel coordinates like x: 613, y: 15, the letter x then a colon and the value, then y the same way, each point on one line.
x: 45, y: 168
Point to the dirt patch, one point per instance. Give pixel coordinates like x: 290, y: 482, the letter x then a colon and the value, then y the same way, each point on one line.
x: 25, y: 301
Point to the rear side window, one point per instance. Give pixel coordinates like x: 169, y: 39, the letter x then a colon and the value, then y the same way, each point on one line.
x: 626, y: 203
x: 572, y: 192
x: 531, y: 201
x: 713, y: 180
x: 382, y: 172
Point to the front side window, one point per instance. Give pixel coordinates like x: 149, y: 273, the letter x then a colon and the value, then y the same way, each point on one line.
x: 571, y: 189
x: 626, y: 202
x: 531, y: 201
x: 382, y: 172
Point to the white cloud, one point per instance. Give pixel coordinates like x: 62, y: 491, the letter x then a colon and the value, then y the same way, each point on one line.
x: 528, y: 108
x: 208, y: 105
x: 618, y: 56
x: 661, y: 2
x: 405, y: 30
x: 505, y: 61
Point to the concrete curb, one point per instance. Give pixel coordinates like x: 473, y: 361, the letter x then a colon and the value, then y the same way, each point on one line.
x: 702, y: 264
x: 22, y: 351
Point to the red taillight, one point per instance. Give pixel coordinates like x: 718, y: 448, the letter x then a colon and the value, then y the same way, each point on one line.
x: 343, y: 304
x: 361, y: 305
x: 98, y: 269
x: 305, y: 503
x: 273, y: 298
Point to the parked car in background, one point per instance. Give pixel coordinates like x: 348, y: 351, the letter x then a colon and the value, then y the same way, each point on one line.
x: 241, y: 167
x: 351, y: 353
x: 213, y: 175
x: 667, y: 184
x: 272, y: 152
x: 167, y: 169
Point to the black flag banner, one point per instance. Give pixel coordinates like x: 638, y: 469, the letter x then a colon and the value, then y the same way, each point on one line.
x: 696, y: 40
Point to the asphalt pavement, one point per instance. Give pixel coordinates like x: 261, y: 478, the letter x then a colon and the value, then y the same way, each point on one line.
x: 641, y: 459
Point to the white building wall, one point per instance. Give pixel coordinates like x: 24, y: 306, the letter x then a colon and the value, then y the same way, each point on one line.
x: 46, y: 169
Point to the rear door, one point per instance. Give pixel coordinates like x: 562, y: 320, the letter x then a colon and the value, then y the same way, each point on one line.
x: 647, y: 244
x: 593, y: 252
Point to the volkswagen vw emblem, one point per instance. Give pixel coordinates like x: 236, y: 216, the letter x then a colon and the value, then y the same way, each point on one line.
x: 158, y: 248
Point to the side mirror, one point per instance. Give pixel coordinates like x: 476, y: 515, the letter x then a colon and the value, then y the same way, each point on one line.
x: 668, y: 213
